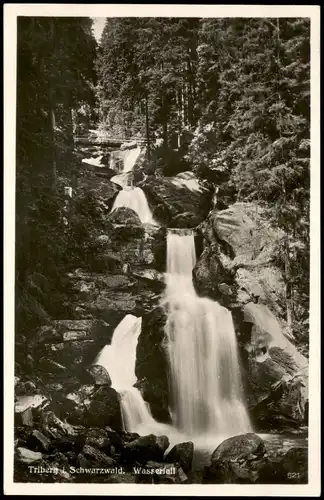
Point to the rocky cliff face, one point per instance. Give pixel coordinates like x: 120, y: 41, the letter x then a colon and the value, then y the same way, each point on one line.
x: 240, y: 251
x: 177, y: 201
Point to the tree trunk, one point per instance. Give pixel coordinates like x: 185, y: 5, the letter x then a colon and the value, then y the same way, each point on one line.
x: 147, y: 129
x: 288, y: 289
x: 54, y: 155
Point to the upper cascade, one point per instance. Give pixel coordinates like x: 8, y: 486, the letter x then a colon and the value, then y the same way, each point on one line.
x: 135, y: 199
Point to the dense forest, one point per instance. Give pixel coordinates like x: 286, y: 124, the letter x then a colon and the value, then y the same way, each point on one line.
x: 226, y: 98
x: 162, y: 250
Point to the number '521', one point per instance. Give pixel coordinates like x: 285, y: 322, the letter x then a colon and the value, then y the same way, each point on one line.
x: 293, y: 475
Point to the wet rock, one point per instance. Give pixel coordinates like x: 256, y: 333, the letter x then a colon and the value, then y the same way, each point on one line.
x: 104, y: 409
x: 210, y: 275
x: 82, y: 396
x: 239, y: 447
x: 54, y: 387
x: 182, y: 453
x: 123, y: 215
x: 24, y: 402
x: 25, y: 388
x: 55, y: 428
x: 241, y: 243
x: 277, y: 372
x: 27, y: 417
x: 114, y: 295
x: 100, y: 189
x: 75, y: 335
x: 231, y: 461
x: 98, y: 438
x: 50, y: 366
x: 97, y: 457
x: 152, y: 364
x: 40, y: 440
x: 151, y: 275
x: 48, y: 333
x: 70, y: 353
x: 28, y: 456
x: 145, y: 448
x: 171, y: 197
x: 100, y: 375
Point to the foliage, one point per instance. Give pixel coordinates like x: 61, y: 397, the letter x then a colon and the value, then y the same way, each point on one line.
x: 146, y: 72
x: 55, y: 74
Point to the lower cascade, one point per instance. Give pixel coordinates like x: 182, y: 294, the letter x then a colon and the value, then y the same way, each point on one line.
x: 119, y: 359
x: 207, y: 395
x: 205, y: 374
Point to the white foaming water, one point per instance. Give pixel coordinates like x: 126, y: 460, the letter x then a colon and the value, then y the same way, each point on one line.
x: 135, y: 199
x: 208, y: 403
x: 205, y: 374
x: 120, y: 356
x: 119, y: 359
x: 130, y: 158
x: 132, y: 197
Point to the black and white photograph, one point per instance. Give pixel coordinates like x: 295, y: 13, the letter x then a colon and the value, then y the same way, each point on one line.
x: 161, y: 250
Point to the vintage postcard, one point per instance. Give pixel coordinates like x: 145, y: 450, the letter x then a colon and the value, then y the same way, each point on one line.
x: 162, y: 250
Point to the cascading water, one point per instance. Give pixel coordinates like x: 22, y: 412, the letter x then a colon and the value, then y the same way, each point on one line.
x: 208, y: 401
x: 129, y: 196
x: 130, y: 158
x: 205, y: 373
x: 119, y: 359
x: 135, y: 199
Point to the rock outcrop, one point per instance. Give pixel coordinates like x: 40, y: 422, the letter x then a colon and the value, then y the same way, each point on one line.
x: 247, y: 459
x: 240, y: 250
x: 152, y: 364
x: 177, y: 201
x: 277, y: 372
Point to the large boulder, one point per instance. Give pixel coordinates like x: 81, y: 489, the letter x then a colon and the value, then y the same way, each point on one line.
x: 238, y: 447
x: 152, y: 363
x: 277, y: 372
x: 182, y: 453
x: 145, y: 448
x: 100, y: 189
x: 240, y: 250
x: 104, y: 409
x: 124, y: 215
x: 234, y: 460
x: 178, y: 200
x: 247, y: 459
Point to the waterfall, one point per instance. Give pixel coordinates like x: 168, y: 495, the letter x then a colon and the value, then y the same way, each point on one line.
x: 129, y: 196
x: 204, y: 364
x: 120, y: 356
x: 135, y: 199
x: 130, y: 158
x: 119, y: 360
x: 207, y: 396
